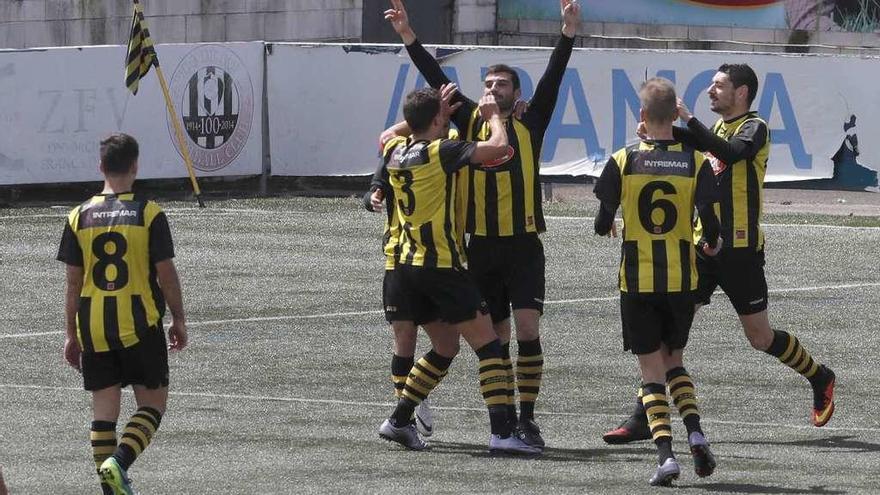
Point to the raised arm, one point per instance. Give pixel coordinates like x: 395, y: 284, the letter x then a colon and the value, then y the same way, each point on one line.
x: 547, y: 91
x: 424, y: 62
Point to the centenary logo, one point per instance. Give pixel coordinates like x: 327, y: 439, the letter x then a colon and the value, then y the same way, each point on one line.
x: 215, y: 96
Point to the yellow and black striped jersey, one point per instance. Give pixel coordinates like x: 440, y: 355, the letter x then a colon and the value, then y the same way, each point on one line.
x: 504, y: 199
x: 117, y: 239
x: 738, y: 150
x: 658, y: 184
x: 391, y: 234
x: 422, y: 177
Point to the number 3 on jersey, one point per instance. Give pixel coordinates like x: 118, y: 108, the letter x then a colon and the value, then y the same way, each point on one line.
x: 100, y: 246
x: 406, y: 177
x: 647, y: 206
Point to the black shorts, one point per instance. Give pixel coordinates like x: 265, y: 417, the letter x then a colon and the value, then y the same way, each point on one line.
x: 448, y: 293
x: 649, y: 319
x: 509, y: 271
x: 740, y: 274
x: 399, y: 304
x: 145, y: 363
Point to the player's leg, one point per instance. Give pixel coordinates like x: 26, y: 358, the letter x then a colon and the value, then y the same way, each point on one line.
x: 656, y: 403
x: 399, y: 314
x: 403, y: 353
x: 503, y: 330
x: 102, y: 376
x: 105, y: 413
x: 525, y: 280
x: 480, y: 336
x: 678, y: 320
x: 3, y: 490
x: 424, y: 376
x: 643, y: 324
x: 487, y: 258
x: 424, y: 417
x: 746, y: 287
x: 145, y: 367
x: 529, y: 372
x: 418, y: 284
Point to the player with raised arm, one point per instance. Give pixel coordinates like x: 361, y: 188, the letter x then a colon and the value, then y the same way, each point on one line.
x: 429, y: 259
x: 504, y: 211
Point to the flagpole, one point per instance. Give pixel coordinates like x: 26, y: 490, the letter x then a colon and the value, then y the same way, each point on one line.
x: 184, y: 149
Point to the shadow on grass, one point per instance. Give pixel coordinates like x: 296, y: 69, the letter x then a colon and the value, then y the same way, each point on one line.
x: 638, y: 454
x: 754, y: 488
x: 839, y: 442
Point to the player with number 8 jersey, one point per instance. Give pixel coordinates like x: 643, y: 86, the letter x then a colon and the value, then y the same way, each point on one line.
x: 117, y: 239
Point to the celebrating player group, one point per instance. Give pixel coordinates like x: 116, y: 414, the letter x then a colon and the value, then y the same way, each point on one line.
x: 464, y: 254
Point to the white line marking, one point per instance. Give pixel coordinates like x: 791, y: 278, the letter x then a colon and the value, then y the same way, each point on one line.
x: 376, y: 312
x: 389, y: 405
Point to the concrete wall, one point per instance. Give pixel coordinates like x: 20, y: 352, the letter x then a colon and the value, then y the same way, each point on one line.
x: 33, y: 23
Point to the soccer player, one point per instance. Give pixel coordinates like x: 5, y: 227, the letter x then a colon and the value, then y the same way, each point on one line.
x: 120, y: 275
x: 504, y: 213
x: 658, y: 183
x: 429, y: 262
x: 402, y: 317
x: 738, y: 147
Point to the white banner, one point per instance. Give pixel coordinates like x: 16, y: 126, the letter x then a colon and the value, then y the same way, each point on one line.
x: 57, y: 104
x: 329, y: 103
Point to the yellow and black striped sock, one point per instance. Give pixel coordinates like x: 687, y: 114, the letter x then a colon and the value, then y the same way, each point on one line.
x: 511, y: 380
x: 657, y: 408
x: 493, y: 387
x: 529, y: 369
x: 103, y: 438
x: 423, y: 377
x: 400, y: 367
x: 788, y: 349
x: 137, y: 435
x: 684, y: 395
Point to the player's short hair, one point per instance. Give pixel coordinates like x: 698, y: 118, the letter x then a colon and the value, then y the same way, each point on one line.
x: 657, y: 96
x: 505, y: 69
x: 740, y: 74
x: 118, y: 153
x: 420, y: 108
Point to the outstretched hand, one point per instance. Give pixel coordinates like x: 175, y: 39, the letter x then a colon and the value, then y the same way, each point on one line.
x: 571, y: 16
x: 399, y: 20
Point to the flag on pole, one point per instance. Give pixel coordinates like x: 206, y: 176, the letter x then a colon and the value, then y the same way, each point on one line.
x: 141, y: 54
